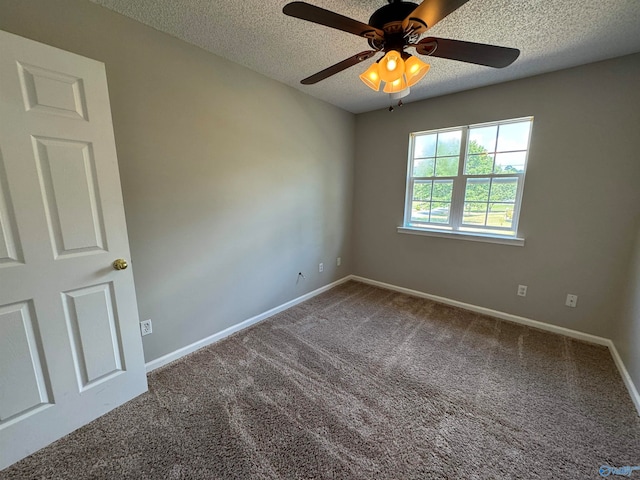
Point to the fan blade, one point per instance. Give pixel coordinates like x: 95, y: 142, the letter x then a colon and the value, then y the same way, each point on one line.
x: 478, y: 53
x: 328, y: 18
x: 430, y: 12
x: 338, y: 67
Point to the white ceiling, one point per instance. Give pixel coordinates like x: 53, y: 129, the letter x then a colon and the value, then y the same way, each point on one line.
x: 551, y: 34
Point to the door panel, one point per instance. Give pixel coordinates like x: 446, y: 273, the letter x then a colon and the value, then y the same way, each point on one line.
x: 70, y: 193
x: 68, y: 320
x: 52, y: 92
x: 9, y: 243
x: 21, y: 345
x: 96, y: 344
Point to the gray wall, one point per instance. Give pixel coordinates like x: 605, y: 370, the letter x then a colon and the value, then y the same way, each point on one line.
x: 232, y: 183
x: 627, y: 335
x: 580, y: 209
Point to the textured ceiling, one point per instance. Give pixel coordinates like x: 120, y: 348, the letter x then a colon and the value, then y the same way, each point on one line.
x: 551, y: 34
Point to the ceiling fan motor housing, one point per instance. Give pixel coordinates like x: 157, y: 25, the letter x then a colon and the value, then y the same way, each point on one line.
x: 394, y: 12
x: 389, y: 19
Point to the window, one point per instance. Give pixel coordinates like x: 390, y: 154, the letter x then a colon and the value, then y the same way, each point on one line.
x: 468, y: 180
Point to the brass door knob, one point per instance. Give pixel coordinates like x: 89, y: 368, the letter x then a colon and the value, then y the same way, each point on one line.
x: 120, y: 264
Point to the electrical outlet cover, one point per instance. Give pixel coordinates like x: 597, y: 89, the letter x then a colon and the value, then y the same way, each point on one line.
x: 146, y: 327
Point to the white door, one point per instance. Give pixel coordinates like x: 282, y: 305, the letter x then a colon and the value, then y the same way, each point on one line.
x: 70, y: 347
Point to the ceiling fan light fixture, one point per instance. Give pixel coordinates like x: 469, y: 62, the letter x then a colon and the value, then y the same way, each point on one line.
x: 371, y: 77
x: 415, y: 69
x: 391, y: 66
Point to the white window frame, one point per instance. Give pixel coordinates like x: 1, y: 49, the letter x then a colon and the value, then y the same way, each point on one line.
x: 455, y: 227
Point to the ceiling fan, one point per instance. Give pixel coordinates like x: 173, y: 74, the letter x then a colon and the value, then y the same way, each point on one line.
x: 393, y: 29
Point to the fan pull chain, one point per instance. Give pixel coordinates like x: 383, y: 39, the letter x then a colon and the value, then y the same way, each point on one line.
x: 400, y: 104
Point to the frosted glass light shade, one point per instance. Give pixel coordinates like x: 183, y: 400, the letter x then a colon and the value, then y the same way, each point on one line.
x: 371, y: 77
x: 391, y: 66
x: 415, y: 69
x: 395, y: 86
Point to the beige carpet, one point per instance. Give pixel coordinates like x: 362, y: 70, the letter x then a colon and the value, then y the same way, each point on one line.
x: 364, y: 383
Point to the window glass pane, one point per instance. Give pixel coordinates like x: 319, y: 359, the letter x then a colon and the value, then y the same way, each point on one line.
x: 504, y: 189
x: 500, y: 215
x: 442, y: 190
x: 447, y: 166
x: 449, y: 143
x: 477, y: 190
x: 510, y: 162
x: 482, y: 139
x: 479, y: 165
x: 422, y: 191
x: 440, y: 212
x: 475, y: 213
x: 420, y: 211
x: 513, y: 136
x: 423, y: 167
x: 425, y: 146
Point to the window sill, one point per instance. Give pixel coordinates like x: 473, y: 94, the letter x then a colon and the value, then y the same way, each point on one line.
x: 473, y: 237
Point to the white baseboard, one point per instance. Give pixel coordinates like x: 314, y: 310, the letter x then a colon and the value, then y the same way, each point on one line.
x: 626, y: 378
x: 567, y: 332
x: 181, y: 352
